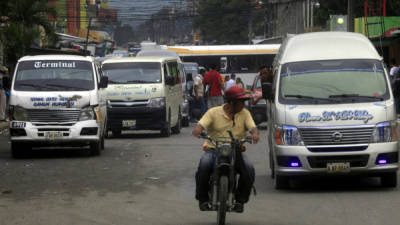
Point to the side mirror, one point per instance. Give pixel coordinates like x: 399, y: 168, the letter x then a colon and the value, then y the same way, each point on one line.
x: 267, y: 91
x: 170, y: 80
x: 103, y: 82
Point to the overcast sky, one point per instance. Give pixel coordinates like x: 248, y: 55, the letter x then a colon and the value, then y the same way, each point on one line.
x: 134, y: 12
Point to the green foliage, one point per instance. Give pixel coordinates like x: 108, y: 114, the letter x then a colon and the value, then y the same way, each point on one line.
x: 223, y: 21
x: 25, y: 17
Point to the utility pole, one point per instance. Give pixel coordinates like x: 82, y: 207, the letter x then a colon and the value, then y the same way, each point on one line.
x: 87, y: 34
x: 350, y: 15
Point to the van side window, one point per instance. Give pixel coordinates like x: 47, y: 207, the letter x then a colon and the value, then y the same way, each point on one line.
x: 173, y: 70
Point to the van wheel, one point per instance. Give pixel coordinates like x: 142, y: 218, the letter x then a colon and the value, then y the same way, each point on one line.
x: 185, y: 121
x: 281, y: 182
x: 166, y: 132
x: 102, y: 142
x: 17, y: 150
x: 116, y: 133
x: 271, y: 165
x: 389, y: 180
x: 177, y: 128
x: 95, y: 148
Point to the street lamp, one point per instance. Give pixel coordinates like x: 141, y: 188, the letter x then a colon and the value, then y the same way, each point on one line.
x: 317, y: 5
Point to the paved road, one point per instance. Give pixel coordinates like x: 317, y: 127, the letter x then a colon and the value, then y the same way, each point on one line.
x: 146, y: 179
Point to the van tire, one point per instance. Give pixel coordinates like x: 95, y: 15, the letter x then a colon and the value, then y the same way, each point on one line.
x: 102, y: 142
x: 281, y: 182
x: 17, y: 150
x: 95, y: 148
x: 177, y: 128
x: 166, y: 132
x: 185, y: 122
x: 116, y: 133
x: 389, y: 180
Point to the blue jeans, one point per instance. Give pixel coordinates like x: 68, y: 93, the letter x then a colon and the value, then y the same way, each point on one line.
x: 205, y: 170
x: 201, y: 104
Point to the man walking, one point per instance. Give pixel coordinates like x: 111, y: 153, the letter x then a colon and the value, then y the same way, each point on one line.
x: 214, y: 80
x: 198, y: 91
x: 231, y: 82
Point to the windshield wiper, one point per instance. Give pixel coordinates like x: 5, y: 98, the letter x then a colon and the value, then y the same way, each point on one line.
x: 65, y: 86
x: 33, y: 85
x: 139, y: 81
x: 355, y: 96
x: 311, y: 98
x: 114, y: 82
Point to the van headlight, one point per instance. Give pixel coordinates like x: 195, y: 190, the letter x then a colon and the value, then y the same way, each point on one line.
x: 87, y: 113
x: 384, y: 132
x: 19, y: 113
x: 156, y: 103
x: 287, y: 135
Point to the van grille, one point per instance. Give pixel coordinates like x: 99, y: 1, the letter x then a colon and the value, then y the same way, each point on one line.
x: 53, y: 116
x: 336, y: 135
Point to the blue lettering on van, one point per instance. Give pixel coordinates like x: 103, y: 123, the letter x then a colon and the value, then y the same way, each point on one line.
x: 340, y: 115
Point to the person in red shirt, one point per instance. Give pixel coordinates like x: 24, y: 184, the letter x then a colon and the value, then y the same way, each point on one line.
x: 214, y: 80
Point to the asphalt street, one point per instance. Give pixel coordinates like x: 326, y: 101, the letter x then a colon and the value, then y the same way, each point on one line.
x: 142, y: 178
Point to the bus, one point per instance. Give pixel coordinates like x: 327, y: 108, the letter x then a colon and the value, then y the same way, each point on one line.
x: 242, y: 60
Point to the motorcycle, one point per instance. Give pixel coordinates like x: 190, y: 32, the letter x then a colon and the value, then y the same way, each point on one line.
x: 224, y: 178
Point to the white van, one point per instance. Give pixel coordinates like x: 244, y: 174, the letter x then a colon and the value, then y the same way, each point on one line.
x: 144, y: 94
x: 57, y: 100
x: 332, y: 110
x: 151, y: 49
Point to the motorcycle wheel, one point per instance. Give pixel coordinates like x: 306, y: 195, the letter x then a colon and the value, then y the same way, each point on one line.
x: 222, y: 198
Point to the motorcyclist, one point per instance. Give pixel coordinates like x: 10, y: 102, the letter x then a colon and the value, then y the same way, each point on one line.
x: 217, y: 121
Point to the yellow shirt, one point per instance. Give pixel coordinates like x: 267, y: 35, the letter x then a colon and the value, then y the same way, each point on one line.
x: 217, y: 123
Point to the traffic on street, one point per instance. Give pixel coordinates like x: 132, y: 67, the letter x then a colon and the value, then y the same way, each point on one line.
x: 195, y: 112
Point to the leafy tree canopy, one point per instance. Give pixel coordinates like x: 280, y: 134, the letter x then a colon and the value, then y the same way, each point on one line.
x: 22, y: 29
x: 223, y: 21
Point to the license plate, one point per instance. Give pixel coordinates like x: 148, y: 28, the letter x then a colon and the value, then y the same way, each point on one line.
x: 16, y: 124
x: 338, y: 167
x: 51, y: 135
x: 128, y: 123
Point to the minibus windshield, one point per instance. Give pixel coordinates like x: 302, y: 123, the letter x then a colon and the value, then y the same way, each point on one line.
x: 132, y: 72
x: 54, y: 75
x: 333, y: 81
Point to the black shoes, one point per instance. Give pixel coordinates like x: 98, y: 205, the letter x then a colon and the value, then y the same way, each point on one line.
x: 204, y: 206
x: 238, y: 207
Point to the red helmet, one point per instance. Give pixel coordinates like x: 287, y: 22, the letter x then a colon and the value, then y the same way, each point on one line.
x: 236, y: 93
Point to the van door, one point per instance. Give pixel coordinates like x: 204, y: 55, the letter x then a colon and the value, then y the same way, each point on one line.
x: 102, y: 95
x: 174, y: 92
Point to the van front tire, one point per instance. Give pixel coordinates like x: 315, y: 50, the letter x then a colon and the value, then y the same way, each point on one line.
x: 389, y: 180
x: 177, y: 128
x: 166, y: 132
x: 17, y: 150
x: 95, y: 148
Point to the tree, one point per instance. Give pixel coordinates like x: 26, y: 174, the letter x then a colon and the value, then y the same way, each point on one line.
x: 25, y: 19
x: 223, y: 21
